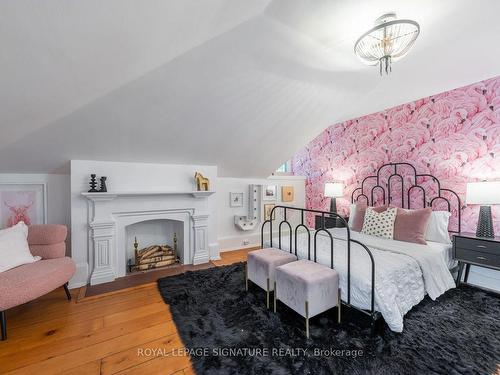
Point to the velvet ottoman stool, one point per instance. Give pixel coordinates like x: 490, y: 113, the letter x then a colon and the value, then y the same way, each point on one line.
x: 308, y: 288
x: 261, y: 266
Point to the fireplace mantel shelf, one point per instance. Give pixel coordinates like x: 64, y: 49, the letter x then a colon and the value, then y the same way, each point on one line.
x: 113, y: 195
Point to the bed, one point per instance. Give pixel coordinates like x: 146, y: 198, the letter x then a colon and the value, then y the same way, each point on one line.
x: 380, y: 277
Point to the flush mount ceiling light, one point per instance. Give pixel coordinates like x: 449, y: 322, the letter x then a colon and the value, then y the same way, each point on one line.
x: 388, y: 41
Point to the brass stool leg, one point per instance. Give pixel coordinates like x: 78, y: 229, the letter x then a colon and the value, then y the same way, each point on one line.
x: 246, y: 278
x: 275, y: 296
x: 267, y: 294
x: 307, y: 319
x: 339, y: 306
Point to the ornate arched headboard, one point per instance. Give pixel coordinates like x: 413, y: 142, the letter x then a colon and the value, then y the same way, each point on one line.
x: 388, y: 176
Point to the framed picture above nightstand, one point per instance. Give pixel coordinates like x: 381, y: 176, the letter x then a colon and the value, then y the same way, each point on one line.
x: 469, y: 250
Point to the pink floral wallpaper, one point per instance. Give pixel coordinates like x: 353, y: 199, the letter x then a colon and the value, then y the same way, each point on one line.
x: 454, y: 136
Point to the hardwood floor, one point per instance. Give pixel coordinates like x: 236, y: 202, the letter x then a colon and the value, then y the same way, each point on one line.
x: 142, y: 278
x: 102, y: 334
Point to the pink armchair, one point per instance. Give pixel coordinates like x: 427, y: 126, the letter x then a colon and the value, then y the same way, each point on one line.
x: 30, y: 281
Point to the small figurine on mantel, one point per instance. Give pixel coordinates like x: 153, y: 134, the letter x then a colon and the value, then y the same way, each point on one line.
x: 202, y: 183
x: 93, y: 184
x: 103, y: 188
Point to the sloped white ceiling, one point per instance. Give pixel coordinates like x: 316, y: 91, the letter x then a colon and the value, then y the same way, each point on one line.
x: 238, y: 83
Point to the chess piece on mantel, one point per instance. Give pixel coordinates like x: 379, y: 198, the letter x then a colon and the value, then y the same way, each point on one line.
x: 484, y: 193
x: 93, y: 184
x: 103, y: 188
x: 202, y: 183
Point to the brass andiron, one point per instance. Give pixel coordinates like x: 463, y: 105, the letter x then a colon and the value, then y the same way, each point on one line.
x: 136, y: 246
x: 175, y: 247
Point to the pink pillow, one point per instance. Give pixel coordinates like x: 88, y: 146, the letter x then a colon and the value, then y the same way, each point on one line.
x: 359, y: 216
x: 411, y: 225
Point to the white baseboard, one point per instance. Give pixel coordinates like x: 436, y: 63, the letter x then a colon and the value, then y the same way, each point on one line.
x: 214, y: 249
x: 237, y: 242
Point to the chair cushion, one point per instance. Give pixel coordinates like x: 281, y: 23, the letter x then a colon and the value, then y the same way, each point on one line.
x: 52, y: 251
x: 47, y: 234
x: 303, y: 281
x: 25, y: 283
x: 262, y: 263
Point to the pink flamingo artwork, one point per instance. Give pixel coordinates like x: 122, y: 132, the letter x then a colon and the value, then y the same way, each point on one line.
x: 18, y: 213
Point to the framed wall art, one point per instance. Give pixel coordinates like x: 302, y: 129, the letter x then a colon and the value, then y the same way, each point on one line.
x: 267, y: 211
x: 23, y: 202
x: 269, y: 192
x: 287, y: 194
x: 236, y: 199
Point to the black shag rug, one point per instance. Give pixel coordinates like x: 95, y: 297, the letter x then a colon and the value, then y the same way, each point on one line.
x: 229, y: 331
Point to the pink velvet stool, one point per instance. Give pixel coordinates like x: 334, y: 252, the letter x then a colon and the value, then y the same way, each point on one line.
x: 261, y: 265
x: 308, y: 288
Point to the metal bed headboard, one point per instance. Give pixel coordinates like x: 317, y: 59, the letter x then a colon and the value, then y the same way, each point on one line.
x: 293, y: 233
x: 405, y: 194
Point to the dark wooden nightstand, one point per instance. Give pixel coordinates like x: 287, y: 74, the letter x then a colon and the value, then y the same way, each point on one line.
x: 478, y: 251
x: 330, y: 222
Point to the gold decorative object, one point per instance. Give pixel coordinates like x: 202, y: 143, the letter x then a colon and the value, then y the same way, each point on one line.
x: 287, y: 193
x: 202, y: 183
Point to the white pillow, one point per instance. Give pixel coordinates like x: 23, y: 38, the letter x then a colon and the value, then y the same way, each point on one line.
x: 437, y: 230
x: 379, y: 224
x: 14, y: 249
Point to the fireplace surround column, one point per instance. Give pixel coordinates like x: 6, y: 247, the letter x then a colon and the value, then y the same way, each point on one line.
x: 200, y: 228
x: 103, y: 234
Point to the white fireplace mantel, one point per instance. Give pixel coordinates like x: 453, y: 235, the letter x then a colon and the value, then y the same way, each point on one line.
x: 112, y: 195
x: 109, y: 213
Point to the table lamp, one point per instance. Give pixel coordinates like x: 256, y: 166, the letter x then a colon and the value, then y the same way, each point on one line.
x: 334, y: 190
x: 485, y: 193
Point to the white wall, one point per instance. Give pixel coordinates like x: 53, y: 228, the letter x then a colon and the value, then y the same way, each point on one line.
x: 229, y: 236
x: 131, y: 177
x: 484, y: 277
x: 57, y: 199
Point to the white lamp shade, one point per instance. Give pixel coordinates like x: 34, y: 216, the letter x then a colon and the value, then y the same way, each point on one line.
x: 334, y: 189
x: 485, y: 192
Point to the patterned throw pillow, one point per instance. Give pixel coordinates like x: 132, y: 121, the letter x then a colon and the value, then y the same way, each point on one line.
x: 380, y: 224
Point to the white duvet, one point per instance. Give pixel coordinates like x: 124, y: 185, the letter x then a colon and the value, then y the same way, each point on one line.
x: 404, y: 272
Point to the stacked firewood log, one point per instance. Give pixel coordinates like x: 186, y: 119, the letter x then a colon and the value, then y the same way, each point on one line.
x: 154, y: 257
